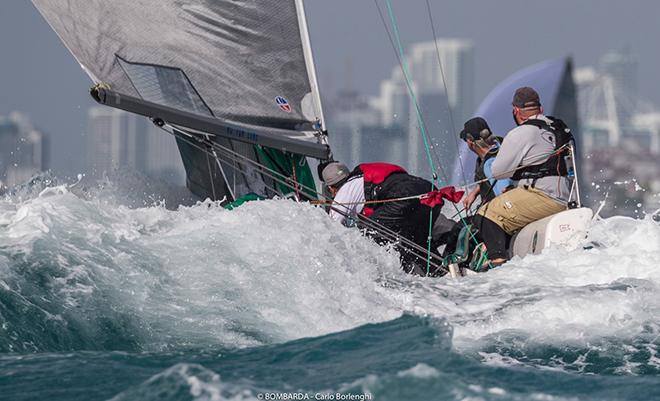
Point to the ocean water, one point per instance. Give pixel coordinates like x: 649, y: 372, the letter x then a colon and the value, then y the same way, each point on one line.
x: 99, y: 300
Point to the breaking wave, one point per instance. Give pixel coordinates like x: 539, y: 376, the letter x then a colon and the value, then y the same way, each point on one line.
x: 82, y: 271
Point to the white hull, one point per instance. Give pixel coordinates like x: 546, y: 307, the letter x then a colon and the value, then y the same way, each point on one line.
x: 564, y: 227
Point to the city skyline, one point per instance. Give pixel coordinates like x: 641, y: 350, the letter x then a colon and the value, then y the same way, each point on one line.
x: 616, y: 106
x: 59, y: 105
x: 614, y: 123
x: 388, y: 115
x: 444, y: 97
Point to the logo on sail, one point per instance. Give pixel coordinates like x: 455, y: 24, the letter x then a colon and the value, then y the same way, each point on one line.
x: 284, y: 105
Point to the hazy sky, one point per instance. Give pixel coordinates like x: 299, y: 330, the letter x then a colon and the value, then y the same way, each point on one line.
x: 41, y: 79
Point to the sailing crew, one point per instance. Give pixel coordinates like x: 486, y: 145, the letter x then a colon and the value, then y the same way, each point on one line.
x: 354, y: 192
x: 480, y: 139
x: 528, y: 156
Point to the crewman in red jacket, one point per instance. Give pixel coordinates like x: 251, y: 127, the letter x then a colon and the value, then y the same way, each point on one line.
x: 358, y: 192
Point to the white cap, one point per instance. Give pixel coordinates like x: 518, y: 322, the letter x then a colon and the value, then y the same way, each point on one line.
x: 335, y: 172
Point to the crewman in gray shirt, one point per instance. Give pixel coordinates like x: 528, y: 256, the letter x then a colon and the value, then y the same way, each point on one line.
x: 527, y: 156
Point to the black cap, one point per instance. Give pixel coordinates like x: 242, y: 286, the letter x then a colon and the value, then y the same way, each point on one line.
x: 526, y: 97
x: 475, y: 128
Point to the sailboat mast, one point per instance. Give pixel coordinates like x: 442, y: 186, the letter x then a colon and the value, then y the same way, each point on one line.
x: 309, y: 62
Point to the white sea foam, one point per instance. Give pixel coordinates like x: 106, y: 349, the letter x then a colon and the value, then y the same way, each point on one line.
x: 268, y: 271
x: 420, y: 371
x: 564, y: 295
x: 273, y: 271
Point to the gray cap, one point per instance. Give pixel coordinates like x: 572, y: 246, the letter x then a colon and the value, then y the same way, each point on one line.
x: 334, y: 173
x: 526, y: 97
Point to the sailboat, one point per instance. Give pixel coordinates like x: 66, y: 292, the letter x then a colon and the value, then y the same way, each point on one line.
x: 233, y: 81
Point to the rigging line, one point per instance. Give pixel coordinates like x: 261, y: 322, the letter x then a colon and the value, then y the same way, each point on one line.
x: 268, y: 187
x: 208, y: 165
x: 235, y: 159
x: 243, y: 171
x: 379, y: 228
x: 425, y: 195
x: 241, y: 159
x: 408, y: 84
x: 373, y: 224
x: 224, y: 176
x: 444, y: 83
x: 408, y: 78
x: 235, y: 156
x: 371, y: 202
x: 406, y: 74
x: 394, y: 237
x: 420, y: 120
x: 385, y: 232
x: 283, y: 178
x: 282, y: 171
x: 406, y: 243
x: 185, y: 137
x: 219, y: 160
x: 295, y: 180
x: 233, y: 176
x: 411, y: 247
x: 284, y: 181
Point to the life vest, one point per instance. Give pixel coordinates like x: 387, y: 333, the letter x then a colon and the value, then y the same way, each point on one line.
x: 485, y: 187
x: 374, y: 175
x: 556, y: 164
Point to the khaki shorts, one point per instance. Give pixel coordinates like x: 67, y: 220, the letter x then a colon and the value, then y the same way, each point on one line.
x: 518, y: 207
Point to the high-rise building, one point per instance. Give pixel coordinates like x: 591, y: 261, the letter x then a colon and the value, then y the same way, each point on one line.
x: 387, y: 128
x: 445, y: 98
x: 395, y: 101
x: 438, y: 134
x: 618, y: 126
x: 351, y: 116
x: 599, y: 118
x: 609, y: 103
x: 457, y: 72
x: 621, y: 68
x: 163, y: 159
x: 117, y: 139
x: 24, y: 150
